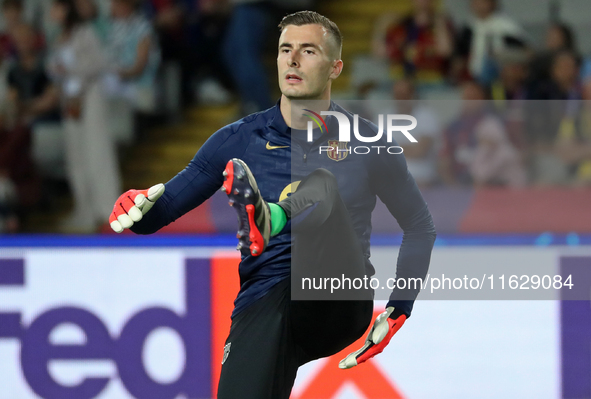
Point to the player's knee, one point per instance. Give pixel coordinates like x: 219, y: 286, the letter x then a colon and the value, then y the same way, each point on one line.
x: 329, y: 179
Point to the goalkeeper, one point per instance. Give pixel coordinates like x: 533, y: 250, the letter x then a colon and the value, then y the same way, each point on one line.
x: 299, y: 209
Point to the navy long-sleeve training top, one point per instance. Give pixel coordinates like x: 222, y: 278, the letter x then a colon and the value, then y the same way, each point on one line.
x: 265, y: 143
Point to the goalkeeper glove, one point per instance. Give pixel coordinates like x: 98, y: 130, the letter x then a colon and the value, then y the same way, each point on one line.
x: 132, y: 205
x: 385, y: 326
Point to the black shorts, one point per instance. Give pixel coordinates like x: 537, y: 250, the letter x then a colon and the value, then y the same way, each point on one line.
x: 273, y: 337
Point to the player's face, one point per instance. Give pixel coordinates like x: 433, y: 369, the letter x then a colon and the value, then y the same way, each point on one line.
x: 306, y: 62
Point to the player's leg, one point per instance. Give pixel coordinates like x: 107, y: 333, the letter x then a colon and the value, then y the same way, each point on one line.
x: 313, y: 202
x: 325, y: 246
x: 319, y: 220
x: 325, y: 243
x: 323, y: 328
x: 260, y: 358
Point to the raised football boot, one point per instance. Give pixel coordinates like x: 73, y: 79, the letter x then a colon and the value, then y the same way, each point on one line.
x: 254, y: 217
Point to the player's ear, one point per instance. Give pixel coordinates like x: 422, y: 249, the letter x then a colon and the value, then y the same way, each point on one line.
x: 337, y: 68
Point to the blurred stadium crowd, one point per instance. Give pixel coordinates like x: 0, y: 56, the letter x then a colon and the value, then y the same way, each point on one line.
x: 518, y: 110
x: 87, y: 71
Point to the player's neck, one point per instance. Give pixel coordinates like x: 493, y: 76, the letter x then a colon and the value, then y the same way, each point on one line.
x: 293, y: 111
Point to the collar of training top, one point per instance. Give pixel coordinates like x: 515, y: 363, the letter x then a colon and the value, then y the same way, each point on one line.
x: 278, y: 123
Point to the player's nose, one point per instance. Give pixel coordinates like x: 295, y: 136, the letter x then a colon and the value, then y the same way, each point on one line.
x: 293, y: 60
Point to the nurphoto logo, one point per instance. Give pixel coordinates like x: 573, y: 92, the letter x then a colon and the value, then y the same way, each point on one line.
x: 345, y: 133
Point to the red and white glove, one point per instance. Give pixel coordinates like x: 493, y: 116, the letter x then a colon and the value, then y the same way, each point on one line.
x: 132, y: 205
x: 379, y: 336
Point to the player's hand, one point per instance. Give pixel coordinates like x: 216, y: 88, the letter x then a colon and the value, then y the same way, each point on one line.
x: 132, y: 205
x: 379, y: 336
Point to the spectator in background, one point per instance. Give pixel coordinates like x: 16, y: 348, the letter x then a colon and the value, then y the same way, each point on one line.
x: 559, y: 37
x: 206, y: 31
x: 420, y: 156
x: 31, y: 92
x: 89, y: 12
x: 509, y: 92
x: 565, y: 76
x: 513, y: 72
x: 77, y: 64
x: 496, y: 161
x: 9, y: 222
x: 168, y: 17
x: 549, y: 120
x: 190, y: 34
x: 248, y: 30
x: 4, y: 92
x: 476, y: 149
x: 134, y: 53
x: 574, y: 146
x: 418, y: 46
x: 13, y: 13
x: 486, y: 35
x: 12, y: 10
x: 564, y: 82
x: 20, y: 185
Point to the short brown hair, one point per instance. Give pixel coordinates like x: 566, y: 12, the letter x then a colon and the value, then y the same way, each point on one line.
x: 313, y: 18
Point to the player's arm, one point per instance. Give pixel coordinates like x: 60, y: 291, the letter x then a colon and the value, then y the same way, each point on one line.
x: 397, y: 189
x: 393, y: 184
x: 147, y: 211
